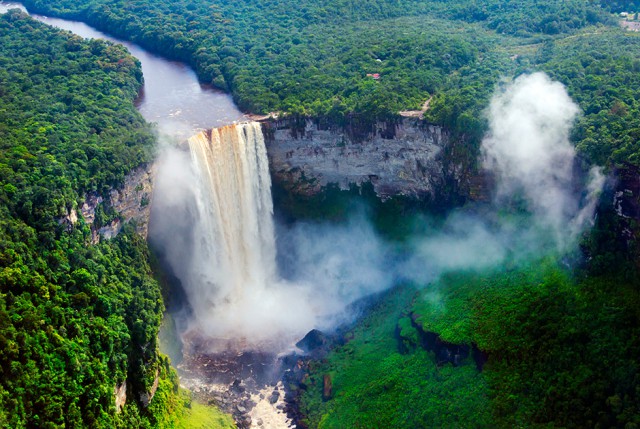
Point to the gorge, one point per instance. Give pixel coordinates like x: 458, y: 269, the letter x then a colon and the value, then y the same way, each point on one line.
x: 398, y: 245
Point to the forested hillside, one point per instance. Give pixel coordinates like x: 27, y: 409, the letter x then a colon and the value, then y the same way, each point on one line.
x: 602, y: 73
x: 556, y: 351
x: 314, y: 57
x: 548, y: 342
x: 318, y: 59
x: 75, y: 319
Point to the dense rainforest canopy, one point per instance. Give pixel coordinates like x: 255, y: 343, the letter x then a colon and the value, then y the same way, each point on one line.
x: 75, y: 319
x: 560, y: 352
x: 560, y: 346
x: 319, y: 58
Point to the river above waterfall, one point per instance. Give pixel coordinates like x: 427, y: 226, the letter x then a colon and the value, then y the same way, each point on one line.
x: 171, y: 97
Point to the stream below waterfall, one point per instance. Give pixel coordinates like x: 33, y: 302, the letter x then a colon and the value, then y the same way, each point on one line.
x: 242, y: 384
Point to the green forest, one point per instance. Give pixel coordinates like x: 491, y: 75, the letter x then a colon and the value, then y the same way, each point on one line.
x: 71, y: 314
x: 312, y: 59
x: 548, y: 346
x: 561, y: 349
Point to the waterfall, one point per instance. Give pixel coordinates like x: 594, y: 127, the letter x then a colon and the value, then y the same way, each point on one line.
x: 235, y: 205
x: 214, y: 228
x: 232, y: 283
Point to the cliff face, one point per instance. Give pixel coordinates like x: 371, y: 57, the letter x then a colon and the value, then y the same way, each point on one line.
x: 405, y: 158
x: 626, y: 199
x: 130, y: 203
x: 133, y: 201
x: 626, y: 203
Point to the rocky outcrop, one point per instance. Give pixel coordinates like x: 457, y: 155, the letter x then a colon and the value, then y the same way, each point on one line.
x: 246, y: 385
x: 626, y: 198
x: 624, y: 194
x: 69, y: 220
x: 120, y: 394
x: 147, y: 397
x: 89, y: 206
x: 327, y: 387
x: 129, y: 203
x: 405, y: 157
x: 316, y: 344
x: 443, y: 351
x: 133, y: 200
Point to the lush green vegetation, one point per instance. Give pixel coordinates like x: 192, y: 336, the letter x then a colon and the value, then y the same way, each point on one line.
x: 335, y: 205
x: 313, y: 57
x: 376, y: 386
x: 622, y: 5
x: 599, y: 67
x: 562, y: 352
x: 199, y: 416
x: 75, y: 319
x: 602, y: 73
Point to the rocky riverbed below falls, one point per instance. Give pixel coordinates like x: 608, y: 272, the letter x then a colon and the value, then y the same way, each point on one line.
x: 243, y: 384
x: 259, y: 389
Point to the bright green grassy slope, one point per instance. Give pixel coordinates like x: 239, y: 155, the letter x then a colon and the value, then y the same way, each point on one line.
x: 377, y: 387
x: 178, y: 410
x: 562, y: 353
x: 201, y: 416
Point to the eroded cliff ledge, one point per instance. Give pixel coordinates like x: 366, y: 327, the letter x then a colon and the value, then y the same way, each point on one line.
x: 406, y: 157
x: 129, y: 203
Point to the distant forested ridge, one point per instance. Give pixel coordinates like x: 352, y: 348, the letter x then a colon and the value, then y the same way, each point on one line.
x: 602, y: 72
x: 75, y: 319
x: 313, y: 57
x: 622, y: 5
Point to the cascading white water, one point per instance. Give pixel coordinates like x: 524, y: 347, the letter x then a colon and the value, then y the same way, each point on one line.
x: 235, y: 204
x: 232, y: 284
x: 215, y: 228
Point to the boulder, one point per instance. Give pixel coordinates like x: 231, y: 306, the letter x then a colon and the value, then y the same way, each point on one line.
x: 312, y: 341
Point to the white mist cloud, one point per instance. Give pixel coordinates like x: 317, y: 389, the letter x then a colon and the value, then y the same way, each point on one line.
x: 529, y: 151
x: 339, y: 264
x: 324, y: 267
x: 213, y: 224
x: 463, y: 242
x: 173, y: 207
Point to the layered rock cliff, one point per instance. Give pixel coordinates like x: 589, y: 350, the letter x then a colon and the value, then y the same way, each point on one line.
x: 626, y: 204
x: 132, y: 201
x: 405, y: 161
x: 404, y: 158
x: 129, y: 203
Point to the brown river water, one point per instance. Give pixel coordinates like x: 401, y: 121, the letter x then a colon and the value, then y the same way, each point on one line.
x: 172, y: 97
